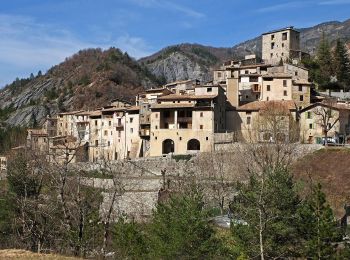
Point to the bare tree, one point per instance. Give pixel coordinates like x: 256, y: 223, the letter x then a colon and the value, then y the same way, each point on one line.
x: 326, y: 117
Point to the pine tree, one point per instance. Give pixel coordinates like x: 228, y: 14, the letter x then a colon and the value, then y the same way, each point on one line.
x: 324, y: 60
x: 180, y: 229
x: 317, y: 226
x: 268, y: 205
x: 341, y: 64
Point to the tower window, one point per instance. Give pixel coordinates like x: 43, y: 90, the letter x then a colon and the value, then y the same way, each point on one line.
x: 284, y: 36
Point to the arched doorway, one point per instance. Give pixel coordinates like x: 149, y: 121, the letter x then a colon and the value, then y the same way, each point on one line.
x: 168, y: 146
x: 193, y: 145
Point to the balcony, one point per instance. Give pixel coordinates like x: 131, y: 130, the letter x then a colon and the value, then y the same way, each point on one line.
x: 184, y: 119
x: 256, y: 88
x: 144, y: 132
x: 118, y: 126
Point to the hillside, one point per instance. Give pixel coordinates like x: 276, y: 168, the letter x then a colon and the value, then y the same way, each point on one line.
x: 88, y: 79
x: 330, y: 167
x: 192, y: 61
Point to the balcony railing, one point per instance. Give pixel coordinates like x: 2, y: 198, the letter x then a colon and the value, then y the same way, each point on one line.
x: 184, y: 119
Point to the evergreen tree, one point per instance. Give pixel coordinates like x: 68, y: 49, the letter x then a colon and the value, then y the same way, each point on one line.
x: 341, y: 64
x: 180, y: 229
x: 268, y: 204
x: 324, y: 60
x: 317, y: 226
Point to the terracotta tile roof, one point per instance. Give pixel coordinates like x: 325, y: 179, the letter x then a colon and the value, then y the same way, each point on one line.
x: 186, y: 97
x: 171, y: 105
x: 41, y: 132
x: 262, y: 105
x: 95, y: 113
x: 70, y: 112
x: 133, y: 108
x: 83, y: 113
x: 335, y: 106
x: 277, y: 75
x: 301, y: 82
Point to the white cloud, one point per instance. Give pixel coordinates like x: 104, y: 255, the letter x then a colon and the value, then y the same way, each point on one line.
x: 335, y: 2
x: 26, y: 45
x: 134, y: 46
x: 283, y: 6
x: 168, y: 5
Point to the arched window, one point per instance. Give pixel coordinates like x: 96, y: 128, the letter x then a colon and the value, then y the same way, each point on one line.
x: 168, y: 146
x: 193, y: 145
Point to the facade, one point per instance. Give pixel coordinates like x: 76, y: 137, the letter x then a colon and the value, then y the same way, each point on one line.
x: 186, y: 123
x: 335, y: 115
x: 282, y: 44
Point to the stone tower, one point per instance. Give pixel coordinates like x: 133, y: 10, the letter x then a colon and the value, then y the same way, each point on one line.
x: 281, y: 44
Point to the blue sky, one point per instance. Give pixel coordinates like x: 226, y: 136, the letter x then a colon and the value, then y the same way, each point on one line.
x: 37, y: 34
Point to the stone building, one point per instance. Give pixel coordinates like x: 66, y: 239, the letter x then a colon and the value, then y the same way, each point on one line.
x: 186, y: 123
x: 334, y: 114
x: 282, y: 44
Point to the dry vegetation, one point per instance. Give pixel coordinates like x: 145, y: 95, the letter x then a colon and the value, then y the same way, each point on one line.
x: 330, y: 167
x: 27, y: 255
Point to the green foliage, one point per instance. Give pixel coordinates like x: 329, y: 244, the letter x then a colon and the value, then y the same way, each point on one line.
x: 180, y: 229
x: 5, y: 112
x: 317, y: 226
x: 51, y: 94
x: 130, y: 240
x: 268, y: 204
x: 84, y: 80
x: 11, y: 137
x: 6, y: 215
x: 341, y: 64
x: 324, y: 61
x: 22, y: 181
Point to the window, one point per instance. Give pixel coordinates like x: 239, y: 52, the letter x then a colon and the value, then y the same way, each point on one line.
x: 95, y: 122
x: 180, y: 138
x: 248, y: 120
x: 282, y: 46
x: 109, y: 143
x: 109, y: 123
x: 271, y: 55
x: 272, y: 45
x: 156, y: 115
x: 284, y: 36
x: 156, y: 127
x: 268, y: 88
x: 156, y: 137
x: 131, y: 119
x: 267, y: 98
x: 246, y: 72
x: 300, y: 88
x: 96, y: 142
x: 106, y: 133
x: 201, y: 114
x: 209, y: 89
x: 201, y: 127
x: 295, y: 73
x: 308, y: 115
x: 285, y: 93
x: 310, y: 126
x: 301, y: 98
x: 207, y: 138
x: 272, y: 37
x: 131, y: 130
x: 282, y: 54
x: 284, y: 83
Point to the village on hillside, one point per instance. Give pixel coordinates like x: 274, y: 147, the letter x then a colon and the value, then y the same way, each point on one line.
x: 187, y: 117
